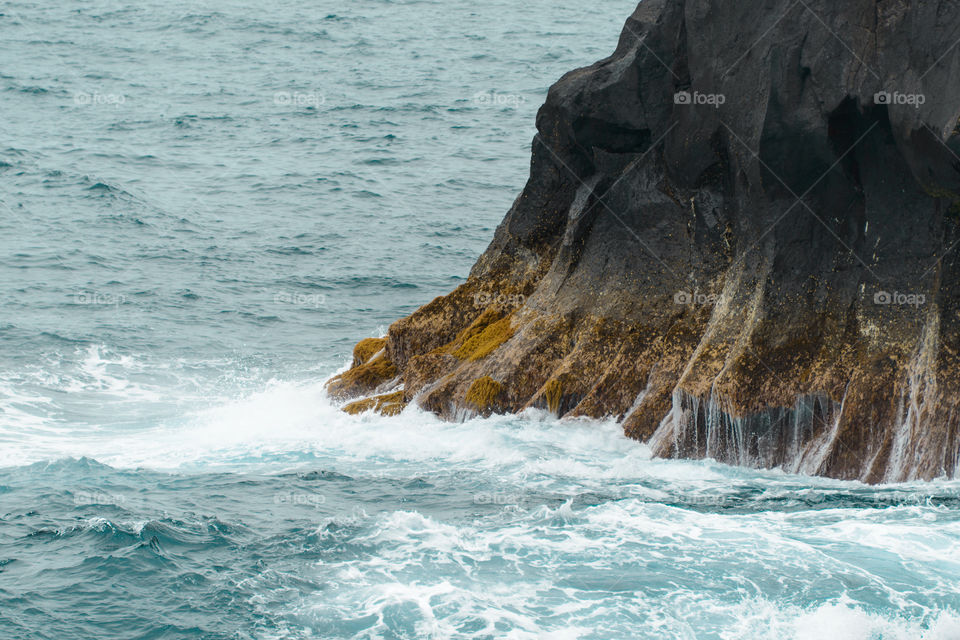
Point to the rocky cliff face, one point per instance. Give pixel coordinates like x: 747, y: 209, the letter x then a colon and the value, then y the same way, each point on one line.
x: 737, y: 238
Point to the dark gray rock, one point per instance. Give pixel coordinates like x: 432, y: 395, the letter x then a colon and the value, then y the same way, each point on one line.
x: 738, y: 238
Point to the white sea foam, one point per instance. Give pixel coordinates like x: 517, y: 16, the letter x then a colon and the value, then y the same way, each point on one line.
x: 605, y: 560
x: 579, y: 532
x: 293, y: 417
x: 540, y: 609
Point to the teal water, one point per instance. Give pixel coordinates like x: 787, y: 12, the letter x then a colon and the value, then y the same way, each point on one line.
x: 202, y: 208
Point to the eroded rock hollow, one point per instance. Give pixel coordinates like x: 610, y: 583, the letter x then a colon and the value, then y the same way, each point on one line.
x: 737, y: 238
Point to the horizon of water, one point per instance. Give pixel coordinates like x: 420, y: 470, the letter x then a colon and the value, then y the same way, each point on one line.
x: 203, y: 207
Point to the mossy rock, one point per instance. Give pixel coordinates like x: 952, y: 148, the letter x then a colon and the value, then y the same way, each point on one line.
x: 474, y: 329
x: 388, y: 404
x: 552, y: 393
x: 426, y: 369
x: 366, y: 349
x: 486, y: 342
x: 483, y: 392
x: 362, y: 379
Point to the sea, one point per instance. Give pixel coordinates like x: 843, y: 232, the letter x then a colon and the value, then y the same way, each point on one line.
x: 203, y: 206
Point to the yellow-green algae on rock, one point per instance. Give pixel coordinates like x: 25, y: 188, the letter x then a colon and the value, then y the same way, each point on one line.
x: 552, y: 392
x: 362, y: 379
x: 483, y: 392
x: 366, y: 349
x: 484, y: 343
x: 388, y: 404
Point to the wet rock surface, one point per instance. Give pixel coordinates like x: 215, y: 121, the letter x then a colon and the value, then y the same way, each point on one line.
x: 737, y: 238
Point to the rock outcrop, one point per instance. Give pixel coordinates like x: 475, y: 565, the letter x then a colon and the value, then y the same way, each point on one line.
x: 737, y: 238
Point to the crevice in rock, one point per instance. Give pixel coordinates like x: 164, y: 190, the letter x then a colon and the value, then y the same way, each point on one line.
x: 594, y: 133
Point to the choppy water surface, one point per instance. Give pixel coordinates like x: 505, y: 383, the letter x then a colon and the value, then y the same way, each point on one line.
x: 202, y: 207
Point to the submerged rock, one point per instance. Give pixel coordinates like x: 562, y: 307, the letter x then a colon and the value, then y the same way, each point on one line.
x: 737, y: 238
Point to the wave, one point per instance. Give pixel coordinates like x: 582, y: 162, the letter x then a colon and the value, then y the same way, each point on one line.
x: 174, y: 418
x: 511, y: 526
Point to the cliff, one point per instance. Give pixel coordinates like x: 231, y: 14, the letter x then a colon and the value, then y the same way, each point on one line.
x: 737, y: 239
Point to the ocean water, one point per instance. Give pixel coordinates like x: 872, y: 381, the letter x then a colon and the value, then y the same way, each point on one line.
x: 203, y: 206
